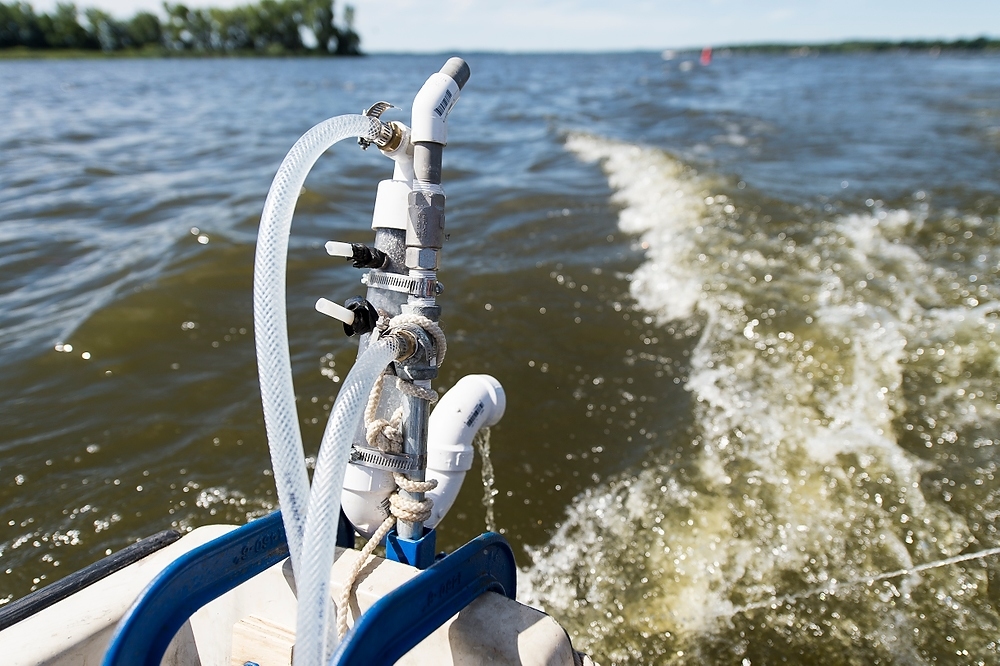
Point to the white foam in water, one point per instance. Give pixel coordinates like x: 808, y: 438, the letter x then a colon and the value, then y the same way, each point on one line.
x: 657, y: 201
x: 814, y: 361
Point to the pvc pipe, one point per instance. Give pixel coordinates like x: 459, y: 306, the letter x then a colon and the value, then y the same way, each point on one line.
x: 364, y: 500
x: 431, y: 107
x: 475, y: 402
x: 391, y: 204
x: 402, y: 155
x: 435, y: 101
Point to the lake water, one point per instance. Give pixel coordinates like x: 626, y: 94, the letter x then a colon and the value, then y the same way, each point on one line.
x: 745, y: 314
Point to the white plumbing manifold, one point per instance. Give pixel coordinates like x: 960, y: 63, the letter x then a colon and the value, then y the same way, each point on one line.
x: 475, y: 402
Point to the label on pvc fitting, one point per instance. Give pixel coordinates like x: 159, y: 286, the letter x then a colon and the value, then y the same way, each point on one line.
x: 444, y: 105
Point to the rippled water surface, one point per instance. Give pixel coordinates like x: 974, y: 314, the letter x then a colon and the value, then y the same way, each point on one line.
x: 746, y: 316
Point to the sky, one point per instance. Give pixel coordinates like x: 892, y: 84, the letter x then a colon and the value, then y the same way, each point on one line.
x: 433, y: 26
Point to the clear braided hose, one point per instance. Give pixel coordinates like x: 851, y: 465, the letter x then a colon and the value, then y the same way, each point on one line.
x: 270, y: 326
x: 322, y: 516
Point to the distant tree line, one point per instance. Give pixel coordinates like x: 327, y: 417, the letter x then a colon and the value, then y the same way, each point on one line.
x: 978, y: 44
x: 270, y: 27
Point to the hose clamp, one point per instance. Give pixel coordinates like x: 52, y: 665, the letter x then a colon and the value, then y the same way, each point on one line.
x: 388, y: 136
x: 421, y: 287
x: 389, y: 462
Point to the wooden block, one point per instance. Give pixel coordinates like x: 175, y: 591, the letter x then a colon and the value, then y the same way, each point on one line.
x: 262, y: 642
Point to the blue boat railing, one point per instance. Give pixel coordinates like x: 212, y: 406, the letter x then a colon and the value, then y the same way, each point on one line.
x: 188, y: 583
x: 413, y: 610
x: 425, y: 602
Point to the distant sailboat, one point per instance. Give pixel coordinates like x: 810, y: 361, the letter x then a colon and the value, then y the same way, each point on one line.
x: 706, y: 56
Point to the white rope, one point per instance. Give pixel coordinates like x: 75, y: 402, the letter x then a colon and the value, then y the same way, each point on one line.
x: 387, y: 435
x: 345, y: 594
x: 428, y: 394
x: 401, y: 508
x: 373, y: 398
x: 408, y: 509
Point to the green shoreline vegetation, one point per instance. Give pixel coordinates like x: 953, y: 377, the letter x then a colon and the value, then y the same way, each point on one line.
x: 268, y: 28
x: 861, y: 46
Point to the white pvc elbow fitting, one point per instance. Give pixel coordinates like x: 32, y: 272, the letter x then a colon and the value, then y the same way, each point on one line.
x: 431, y: 106
x: 475, y: 402
x: 365, y: 499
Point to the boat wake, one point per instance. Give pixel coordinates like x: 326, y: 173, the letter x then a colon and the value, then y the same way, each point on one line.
x: 844, y: 415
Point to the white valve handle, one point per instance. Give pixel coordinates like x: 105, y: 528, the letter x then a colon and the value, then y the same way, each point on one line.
x: 339, y: 249
x: 338, y: 312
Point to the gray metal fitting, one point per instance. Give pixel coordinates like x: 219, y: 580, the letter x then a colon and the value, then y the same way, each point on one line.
x: 426, y: 227
x: 416, y: 373
x: 425, y: 258
x: 409, y: 341
x: 432, y: 312
x: 417, y: 366
x: 396, y: 131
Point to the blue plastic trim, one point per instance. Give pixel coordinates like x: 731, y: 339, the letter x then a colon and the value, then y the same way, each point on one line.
x: 188, y: 583
x: 417, y: 553
x: 425, y: 602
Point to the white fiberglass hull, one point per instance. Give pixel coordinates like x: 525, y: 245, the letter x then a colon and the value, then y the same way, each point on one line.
x: 255, y: 621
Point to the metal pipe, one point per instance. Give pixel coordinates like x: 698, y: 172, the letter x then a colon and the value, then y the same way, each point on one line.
x: 425, y: 237
x: 414, y: 443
